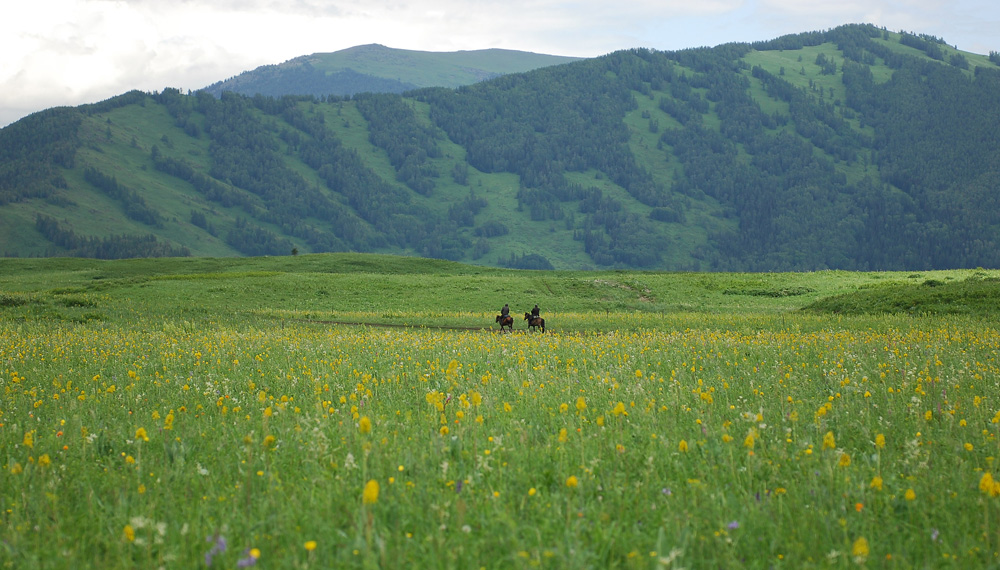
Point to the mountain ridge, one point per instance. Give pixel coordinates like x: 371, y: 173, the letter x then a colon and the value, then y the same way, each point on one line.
x: 852, y: 148
x: 377, y: 68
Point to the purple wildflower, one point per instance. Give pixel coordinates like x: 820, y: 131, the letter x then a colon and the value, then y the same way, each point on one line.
x: 218, y: 547
x: 733, y: 525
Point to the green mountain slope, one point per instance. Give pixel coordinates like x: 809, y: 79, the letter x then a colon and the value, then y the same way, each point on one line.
x: 854, y: 148
x: 378, y: 69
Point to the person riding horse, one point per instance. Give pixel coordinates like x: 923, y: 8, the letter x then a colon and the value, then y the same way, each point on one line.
x: 505, y: 319
x: 534, y: 321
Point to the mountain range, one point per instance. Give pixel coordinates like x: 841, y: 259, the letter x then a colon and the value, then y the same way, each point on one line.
x: 853, y: 148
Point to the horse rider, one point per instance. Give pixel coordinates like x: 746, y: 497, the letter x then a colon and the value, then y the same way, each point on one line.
x: 536, y: 312
x: 505, y: 311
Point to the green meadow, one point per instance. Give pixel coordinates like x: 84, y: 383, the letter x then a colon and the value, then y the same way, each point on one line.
x: 364, y: 411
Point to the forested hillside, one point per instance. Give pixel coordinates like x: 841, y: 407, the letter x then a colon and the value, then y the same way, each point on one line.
x: 853, y: 148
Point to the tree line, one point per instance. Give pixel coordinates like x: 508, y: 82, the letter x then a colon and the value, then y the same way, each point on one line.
x: 122, y: 246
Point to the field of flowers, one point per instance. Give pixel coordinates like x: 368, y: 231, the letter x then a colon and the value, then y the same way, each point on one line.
x: 223, y: 413
x: 695, y: 441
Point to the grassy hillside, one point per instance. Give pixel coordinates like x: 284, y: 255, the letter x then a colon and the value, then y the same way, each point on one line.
x: 379, y: 68
x: 433, y: 69
x: 379, y: 289
x: 855, y: 149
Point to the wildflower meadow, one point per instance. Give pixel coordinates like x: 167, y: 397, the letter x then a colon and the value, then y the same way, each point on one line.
x: 209, y: 423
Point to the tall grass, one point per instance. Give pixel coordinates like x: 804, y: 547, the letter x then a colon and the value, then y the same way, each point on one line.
x: 151, y: 436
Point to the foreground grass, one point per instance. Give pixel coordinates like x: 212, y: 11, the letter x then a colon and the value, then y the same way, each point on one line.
x: 723, y: 438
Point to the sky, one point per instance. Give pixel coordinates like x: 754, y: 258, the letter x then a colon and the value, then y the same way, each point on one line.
x: 71, y: 52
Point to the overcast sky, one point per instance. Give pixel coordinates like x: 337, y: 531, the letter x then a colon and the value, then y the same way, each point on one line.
x: 70, y: 52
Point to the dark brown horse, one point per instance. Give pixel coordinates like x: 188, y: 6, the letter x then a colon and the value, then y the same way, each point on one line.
x: 506, y: 321
x: 534, y: 322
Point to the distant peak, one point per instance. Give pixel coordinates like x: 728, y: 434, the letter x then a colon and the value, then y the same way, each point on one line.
x: 367, y: 47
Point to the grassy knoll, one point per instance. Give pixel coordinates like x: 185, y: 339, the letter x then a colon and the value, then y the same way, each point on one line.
x: 215, y: 413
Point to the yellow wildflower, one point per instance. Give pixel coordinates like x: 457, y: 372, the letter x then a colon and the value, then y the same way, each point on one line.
x: 370, y: 495
x: 828, y: 441
x: 986, y: 482
x: 860, y: 548
x: 876, y: 483
x: 989, y: 486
